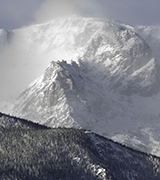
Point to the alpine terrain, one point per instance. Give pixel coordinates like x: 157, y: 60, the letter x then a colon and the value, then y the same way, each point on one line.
x: 101, y: 76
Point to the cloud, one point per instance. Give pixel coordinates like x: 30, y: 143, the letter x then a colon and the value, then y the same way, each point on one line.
x: 145, y: 12
x: 16, y: 13
x: 53, y: 8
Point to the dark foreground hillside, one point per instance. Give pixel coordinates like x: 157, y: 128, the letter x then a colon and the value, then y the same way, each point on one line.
x: 29, y: 151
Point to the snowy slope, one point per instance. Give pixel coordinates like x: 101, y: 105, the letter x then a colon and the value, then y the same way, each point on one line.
x: 109, y: 82
x: 151, y: 34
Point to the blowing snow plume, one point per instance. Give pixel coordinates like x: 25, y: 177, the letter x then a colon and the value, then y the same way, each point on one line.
x: 17, y: 13
x: 53, y: 8
x: 134, y: 12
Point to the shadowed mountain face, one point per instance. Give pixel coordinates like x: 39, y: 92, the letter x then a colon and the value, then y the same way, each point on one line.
x: 29, y: 151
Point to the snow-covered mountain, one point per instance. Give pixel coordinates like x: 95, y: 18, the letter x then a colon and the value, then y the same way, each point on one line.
x: 114, y: 46
x: 30, y: 151
x: 108, y: 83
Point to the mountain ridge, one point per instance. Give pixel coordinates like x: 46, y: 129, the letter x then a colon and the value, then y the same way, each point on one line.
x: 37, y: 152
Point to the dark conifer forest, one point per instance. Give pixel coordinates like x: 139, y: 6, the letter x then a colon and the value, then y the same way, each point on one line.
x: 31, y: 151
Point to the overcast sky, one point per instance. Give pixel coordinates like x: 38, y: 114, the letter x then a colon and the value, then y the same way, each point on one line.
x: 17, y: 13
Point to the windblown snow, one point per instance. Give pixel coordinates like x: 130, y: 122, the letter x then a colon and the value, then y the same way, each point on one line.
x: 103, y: 77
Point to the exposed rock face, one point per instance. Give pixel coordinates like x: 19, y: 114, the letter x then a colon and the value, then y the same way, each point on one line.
x: 30, y: 151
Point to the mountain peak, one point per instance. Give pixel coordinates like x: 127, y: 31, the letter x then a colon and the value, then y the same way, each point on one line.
x: 106, y: 65
x: 117, y: 47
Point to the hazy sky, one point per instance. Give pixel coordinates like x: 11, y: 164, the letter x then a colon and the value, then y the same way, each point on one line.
x: 16, y: 13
